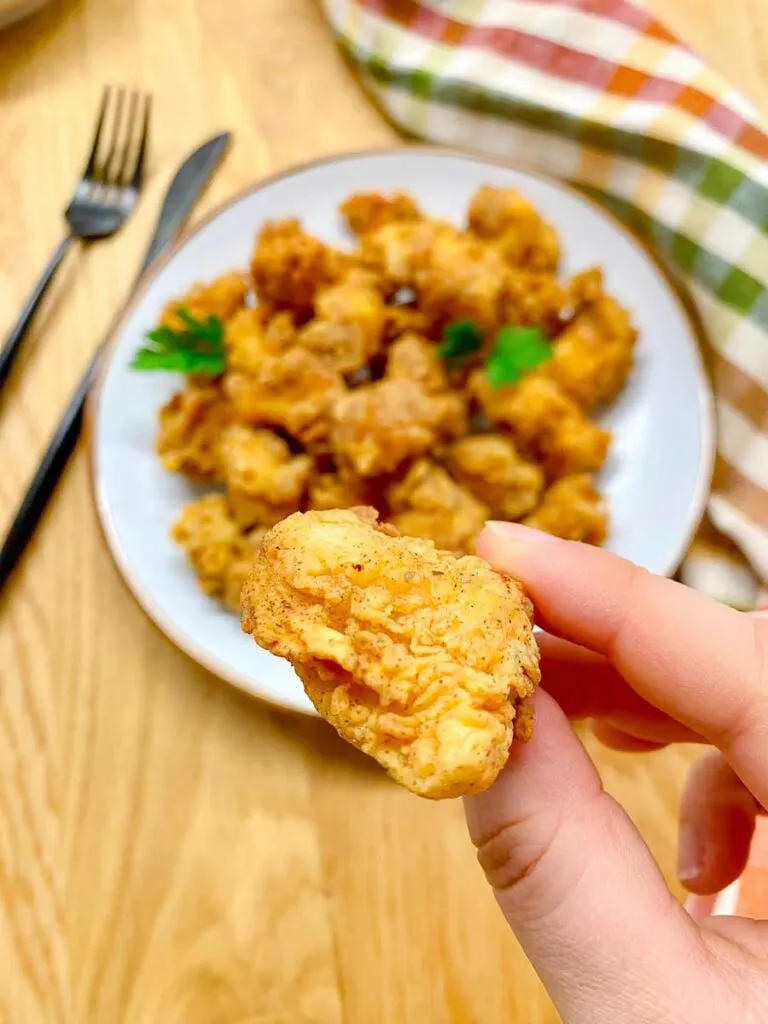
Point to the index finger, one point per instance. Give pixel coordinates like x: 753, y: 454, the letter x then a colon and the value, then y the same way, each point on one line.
x: 693, y: 658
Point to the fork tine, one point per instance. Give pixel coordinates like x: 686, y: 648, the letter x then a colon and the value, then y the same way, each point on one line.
x: 107, y: 175
x: 141, y: 156
x: 90, y: 167
x: 121, y: 172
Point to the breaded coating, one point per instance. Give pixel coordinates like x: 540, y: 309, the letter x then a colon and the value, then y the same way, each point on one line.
x: 220, y: 552
x: 397, y: 251
x: 532, y: 300
x: 573, y: 509
x: 249, y: 338
x: 413, y: 357
x: 329, y: 490
x: 593, y: 355
x: 221, y: 298
x: 189, y: 426
x: 507, y: 219
x: 491, y: 467
x: 460, y: 278
x: 348, y: 327
x: 418, y: 658
x: 378, y: 426
x: 289, y: 266
x: 369, y: 211
x: 265, y: 482
x: 547, y: 424
x: 293, y: 391
x: 402, y: 319
x: 429, y: 503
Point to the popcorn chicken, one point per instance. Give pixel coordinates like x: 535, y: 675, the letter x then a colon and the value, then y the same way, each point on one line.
x: 369, y: 211
x: 265, y: 482
x: 507, y: 219
x: 339, y: 490
x: 293, y: 391
x: 289, y: 266
x: 219, y: 551
x: 348, y: 327
x: 398, y: 250
x: 490, y: 467
x: 532, y: 300
x: 188, y: 431
x: 428, y: 503
x: 413, y: 357
x: 593, y: 356
x: 460, y: 278
x: 546, y: 423
x: 221, y: 298
x: 572, y: 509
x: 378, y: 426
x: 416, y: 657
x: 249, y: 338
x: 402, y: 319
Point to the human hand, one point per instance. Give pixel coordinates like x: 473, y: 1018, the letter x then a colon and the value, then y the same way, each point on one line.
x: 656, y: 663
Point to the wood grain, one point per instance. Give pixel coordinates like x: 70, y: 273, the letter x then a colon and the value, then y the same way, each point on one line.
x: 170, y: 851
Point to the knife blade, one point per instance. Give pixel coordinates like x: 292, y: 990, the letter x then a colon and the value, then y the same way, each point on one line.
x: 185, y: 189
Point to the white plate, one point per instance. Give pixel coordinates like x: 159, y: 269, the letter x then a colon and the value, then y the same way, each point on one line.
x: 660, y: 467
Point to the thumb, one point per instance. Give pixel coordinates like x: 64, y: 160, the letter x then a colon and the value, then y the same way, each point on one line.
x: 578, y: 885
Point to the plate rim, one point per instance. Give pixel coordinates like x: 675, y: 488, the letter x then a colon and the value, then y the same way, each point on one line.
x: 186, y: 644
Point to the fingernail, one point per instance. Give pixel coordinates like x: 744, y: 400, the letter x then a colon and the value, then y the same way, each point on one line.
x: 517, y: 532
x: 690, y: 855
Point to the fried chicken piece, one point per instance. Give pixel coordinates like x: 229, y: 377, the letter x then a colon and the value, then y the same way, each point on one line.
x: 369, y: 211
x: 289, y: 266
x: 547, y: 424
x: 249, y: 337
x: 397, y: 251
x: 573, y: 509
x: 221, y: 298
x: 402, y: 319
x: 532, y: 300
x: 491, y: 467
x: 265, y: 482
x: 348, y: 327
x: 220, y: 552
x: 188, y: 431
x: 593, y: 356
x: 461, y: 278
x: 378, y: 426
x: 507, y: 219
x: 292, y: 390
x: 413, y: 357
x: 328, y: 490
x: 429, y: 503
x: 416, y: 657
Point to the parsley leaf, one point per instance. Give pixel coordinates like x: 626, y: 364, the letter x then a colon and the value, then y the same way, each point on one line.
x: 460, y: 339
x: 516, y: 350
x: 197, y: 347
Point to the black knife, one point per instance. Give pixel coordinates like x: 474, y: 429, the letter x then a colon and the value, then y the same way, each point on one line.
x: 186, y: 188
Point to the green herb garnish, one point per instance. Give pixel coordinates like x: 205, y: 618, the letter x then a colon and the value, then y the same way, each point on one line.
x: 198, y: 347
x: 460, y: 339
x: 516, y: 350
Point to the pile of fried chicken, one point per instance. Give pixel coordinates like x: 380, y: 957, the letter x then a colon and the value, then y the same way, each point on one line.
x: 335, y: 393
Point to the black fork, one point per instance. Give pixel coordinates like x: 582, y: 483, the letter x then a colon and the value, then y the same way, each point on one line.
x: 104, y: 197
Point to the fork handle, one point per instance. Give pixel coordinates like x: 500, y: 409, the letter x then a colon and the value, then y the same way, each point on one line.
x: 19, y: 330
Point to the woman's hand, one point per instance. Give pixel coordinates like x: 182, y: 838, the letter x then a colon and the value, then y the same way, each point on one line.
x: 655, y: 663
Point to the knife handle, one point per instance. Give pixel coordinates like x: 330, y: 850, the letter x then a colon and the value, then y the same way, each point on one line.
x: 48, y: 474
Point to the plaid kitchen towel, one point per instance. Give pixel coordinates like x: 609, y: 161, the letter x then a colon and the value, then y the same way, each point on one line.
x: 601, y: 94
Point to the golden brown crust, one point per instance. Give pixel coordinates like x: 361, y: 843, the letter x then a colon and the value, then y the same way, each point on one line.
x: 415, y: 656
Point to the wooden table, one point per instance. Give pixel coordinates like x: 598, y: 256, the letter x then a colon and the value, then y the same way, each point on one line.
x: 171, y: 851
